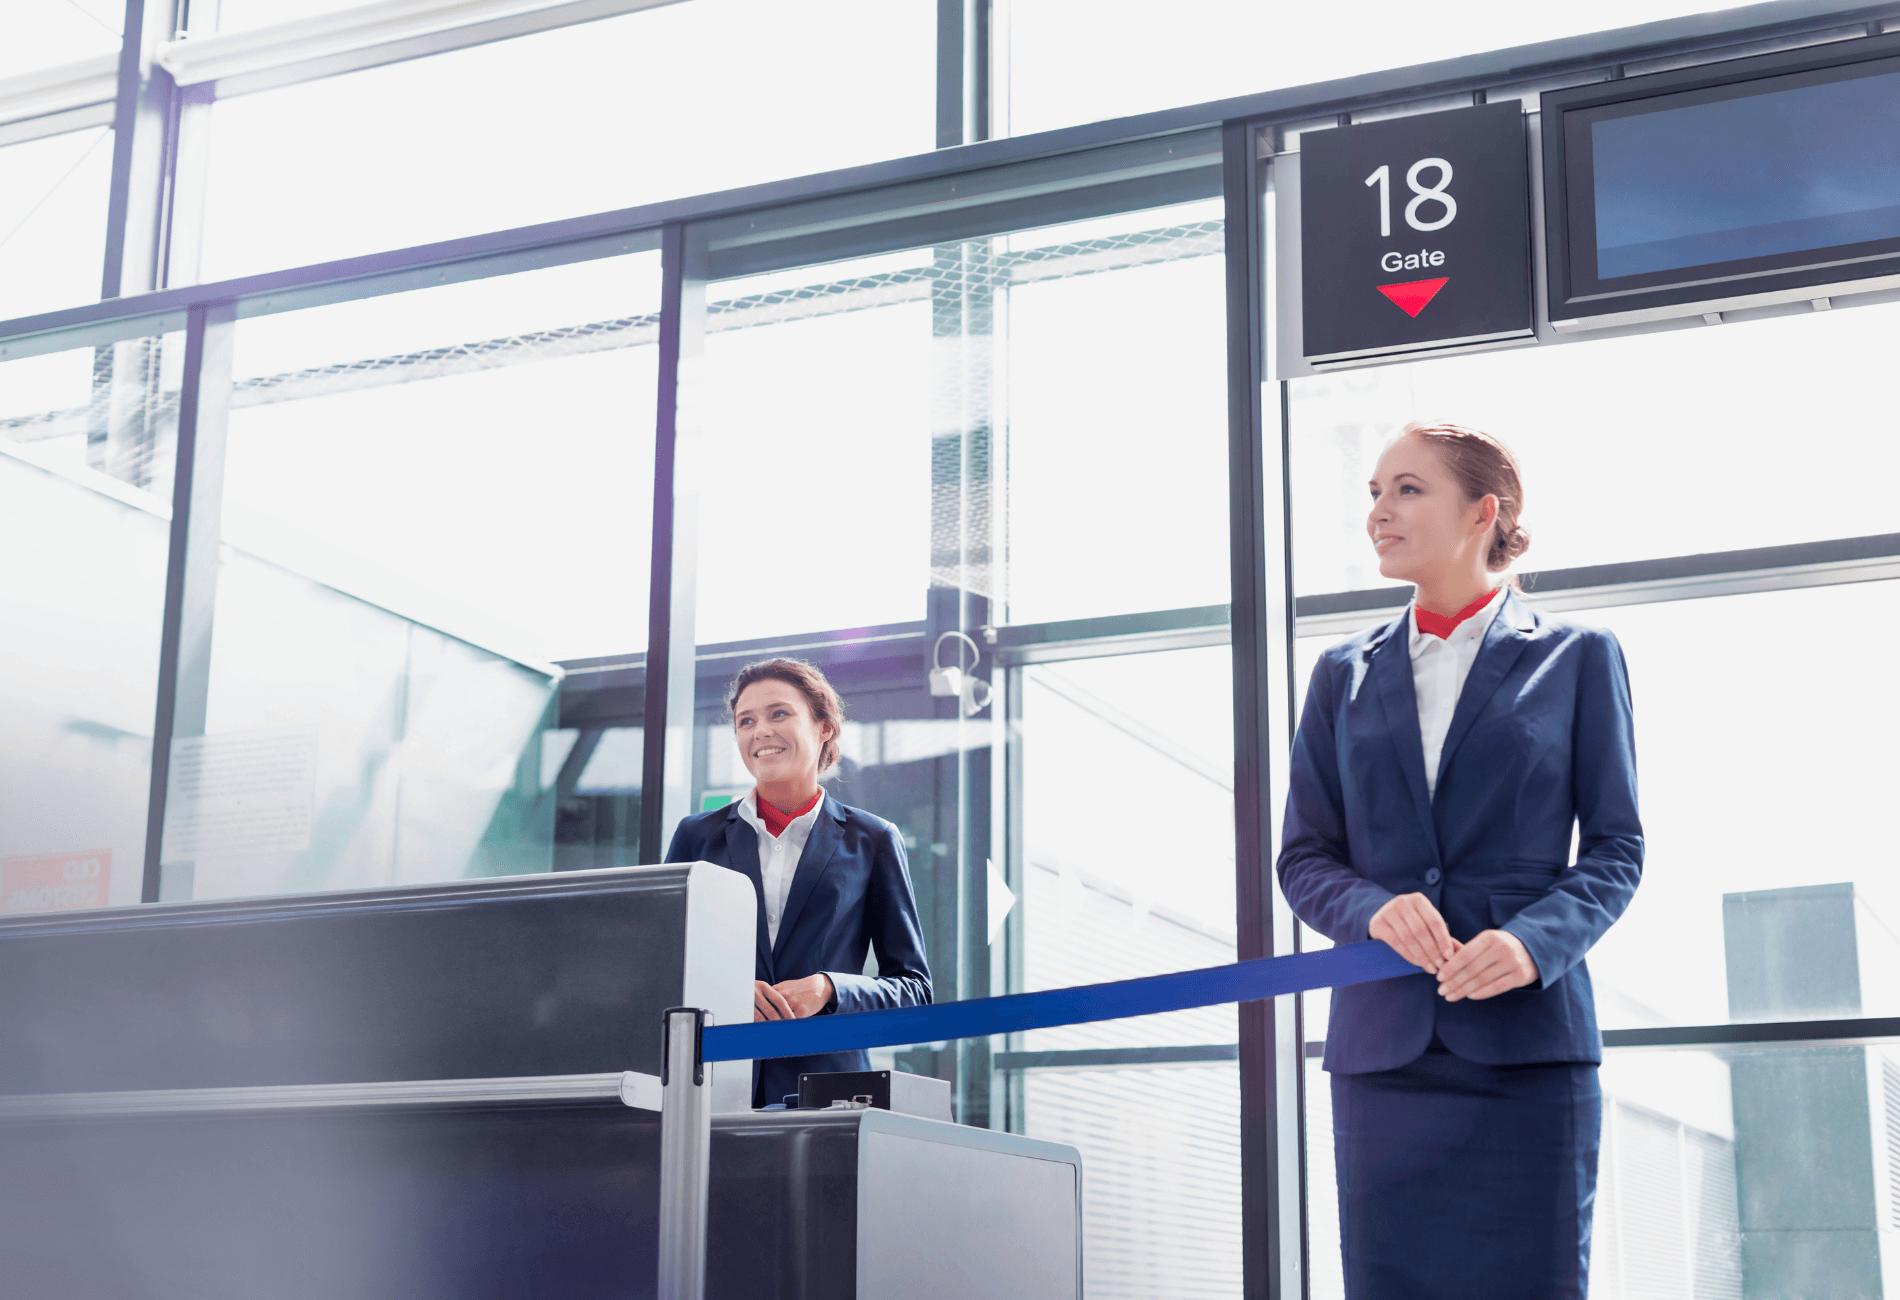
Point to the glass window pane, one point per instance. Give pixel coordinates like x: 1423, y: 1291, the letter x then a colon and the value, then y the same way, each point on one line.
x: 946, y: 437
x: 1099, y: 903
x: 429, y: 498
x: 650, y: 105
x: 1160, y: 1169
x: 1102, y: 901
x: 853, y: 363
x: 1117, y: 429
x: 53, y: 194
x: 1656, y: 448
x: 1771, y: 889
x: 86, y: 449
x: 242, y: 15
x: 47, y: 33
x: 1076, y: 61
x: 788, y: 363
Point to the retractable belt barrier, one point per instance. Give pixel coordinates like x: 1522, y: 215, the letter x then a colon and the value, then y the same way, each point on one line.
x: 685, y: 1104
x: 1245, y: 981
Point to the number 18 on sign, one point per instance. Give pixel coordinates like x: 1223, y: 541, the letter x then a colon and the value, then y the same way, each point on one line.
x: 1415, y: 233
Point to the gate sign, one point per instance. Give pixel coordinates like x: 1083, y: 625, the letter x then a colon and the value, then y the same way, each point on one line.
x: 1415, y: 233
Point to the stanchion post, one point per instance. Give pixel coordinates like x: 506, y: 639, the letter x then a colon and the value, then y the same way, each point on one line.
x: 685, y: 1153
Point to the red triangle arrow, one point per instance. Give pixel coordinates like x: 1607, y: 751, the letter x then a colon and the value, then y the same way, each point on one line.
x: 1412, y: 296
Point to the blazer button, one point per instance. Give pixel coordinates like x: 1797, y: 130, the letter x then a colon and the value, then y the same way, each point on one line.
x: 1432, y: 876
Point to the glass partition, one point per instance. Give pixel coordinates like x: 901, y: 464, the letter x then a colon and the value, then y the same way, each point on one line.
x: 814, y: 471
x: 245, y: 15
x: 1115, y: 375
x: 888, y: 451
x: 429, y: 498
x: 986, y: 410
x: 87, y: 439
x: 1160, y: 1145
x: 49, y: 33
x: 1094, y: 733
x: 1127, y: 869
x: 1771, y: 889
x: 656, y: 104
x: 53, y: 195
x: 1072, y: 61
x: 1657, y: 447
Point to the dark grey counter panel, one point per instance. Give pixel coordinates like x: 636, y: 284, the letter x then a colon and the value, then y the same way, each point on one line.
x: 456, y: 1205
x: 555, y: 1200
x: 523, y: 975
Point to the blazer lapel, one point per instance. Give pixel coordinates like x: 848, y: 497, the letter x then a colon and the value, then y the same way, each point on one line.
x: 824, y: 842
x: 1392, y: 672
x: 742, y: 851
x: 1504, y: 641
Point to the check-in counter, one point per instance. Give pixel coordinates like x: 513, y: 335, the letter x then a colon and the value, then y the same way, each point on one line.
x: 448, y: 1090
x: 472, y: 979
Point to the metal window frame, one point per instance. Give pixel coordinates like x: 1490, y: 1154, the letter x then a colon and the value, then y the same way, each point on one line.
x: 191, y: 571
x: 143, y: 153
x: 671, y: 645
x: 1261, y: 631
x: 52, y: 101
x: 1500, y: 71
x: 1829, y: 562
x: 326, y: 45
x: 1852, y: 1031
x: 149, y: 225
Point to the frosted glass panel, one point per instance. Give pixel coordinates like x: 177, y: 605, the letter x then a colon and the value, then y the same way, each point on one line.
x: 53, y: 194
x: 431, y: 499
x: 1649, y: 433
x: 661, y: 103
x: 86, y: 443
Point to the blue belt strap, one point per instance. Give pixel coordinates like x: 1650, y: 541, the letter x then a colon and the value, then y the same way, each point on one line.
x: 1245, y: 981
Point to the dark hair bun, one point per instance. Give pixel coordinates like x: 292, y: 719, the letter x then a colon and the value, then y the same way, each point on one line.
x: 1506, y: 547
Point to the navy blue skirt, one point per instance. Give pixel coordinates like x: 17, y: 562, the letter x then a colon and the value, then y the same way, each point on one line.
x: 1467, y: 1181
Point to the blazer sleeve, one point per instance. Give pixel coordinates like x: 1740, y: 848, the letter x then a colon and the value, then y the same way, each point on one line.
x: 684, y: 846
x: 1315, y: 864
x: 897, y: 937
x: 1560, y: 927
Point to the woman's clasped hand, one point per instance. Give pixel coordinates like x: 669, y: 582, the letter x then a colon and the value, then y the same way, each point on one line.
x: 1494, y: 962
x: 790, y: 999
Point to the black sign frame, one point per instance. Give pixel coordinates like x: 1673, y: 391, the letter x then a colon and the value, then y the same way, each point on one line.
x: 1415, y: 234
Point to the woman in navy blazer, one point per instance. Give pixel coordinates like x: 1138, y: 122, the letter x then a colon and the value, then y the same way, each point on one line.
x: 831, y: 880
x: 1466, y: 1108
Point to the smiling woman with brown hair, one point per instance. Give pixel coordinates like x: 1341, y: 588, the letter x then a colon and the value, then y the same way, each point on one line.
x: 832, y: 880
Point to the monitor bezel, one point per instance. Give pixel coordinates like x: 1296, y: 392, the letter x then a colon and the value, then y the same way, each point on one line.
x: 1566, y: 117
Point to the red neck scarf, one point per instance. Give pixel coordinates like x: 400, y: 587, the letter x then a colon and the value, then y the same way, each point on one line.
x: 1437, y: 624
x: 776, y: 821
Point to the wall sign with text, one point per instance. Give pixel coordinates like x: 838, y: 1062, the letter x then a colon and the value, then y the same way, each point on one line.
x: 56, y: 882
x: 1415, y: 233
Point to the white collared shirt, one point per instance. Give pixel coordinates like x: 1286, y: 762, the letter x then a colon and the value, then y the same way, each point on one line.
x: 778, y: 856
x: 1439, y: 669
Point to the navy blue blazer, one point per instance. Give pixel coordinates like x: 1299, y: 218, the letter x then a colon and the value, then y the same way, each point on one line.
x: 1541, y: 740
x: 850, y: 895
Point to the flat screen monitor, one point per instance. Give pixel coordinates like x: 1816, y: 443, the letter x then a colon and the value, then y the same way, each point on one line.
x: 1732, y: 180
